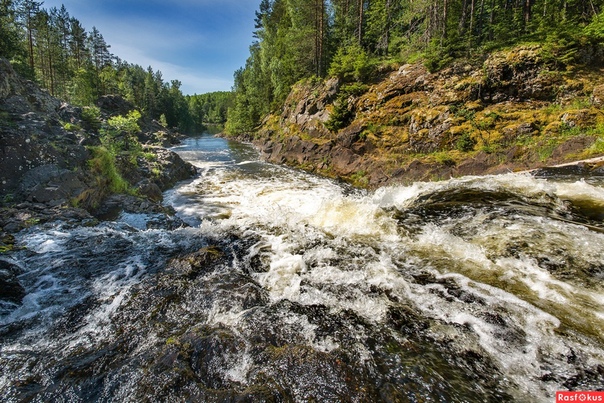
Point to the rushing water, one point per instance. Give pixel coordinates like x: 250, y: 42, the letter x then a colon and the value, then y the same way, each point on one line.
x: 289, y: 287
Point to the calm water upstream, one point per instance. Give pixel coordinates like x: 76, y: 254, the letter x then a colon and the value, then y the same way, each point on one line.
x: 289, y: 287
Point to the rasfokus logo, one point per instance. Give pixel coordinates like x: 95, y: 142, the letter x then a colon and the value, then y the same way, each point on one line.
x: 579, y: 397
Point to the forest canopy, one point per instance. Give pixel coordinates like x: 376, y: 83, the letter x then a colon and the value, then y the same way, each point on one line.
x: 352, y: 39
x: 52, y: 48
x: 294, y: 40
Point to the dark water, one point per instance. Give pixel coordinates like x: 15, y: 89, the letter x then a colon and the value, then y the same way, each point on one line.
x: 290, y: 287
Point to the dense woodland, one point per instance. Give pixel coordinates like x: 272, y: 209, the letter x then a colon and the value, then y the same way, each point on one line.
x: 295, y: 39
x: 54, y: 49
x: 352, y: 39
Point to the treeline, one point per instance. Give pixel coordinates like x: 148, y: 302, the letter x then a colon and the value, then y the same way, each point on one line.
x: 298, y: 39
x: 54, y: 49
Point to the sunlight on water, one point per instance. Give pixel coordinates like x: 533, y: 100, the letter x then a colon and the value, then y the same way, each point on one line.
x: 496, y: 259
x: 501, y: 273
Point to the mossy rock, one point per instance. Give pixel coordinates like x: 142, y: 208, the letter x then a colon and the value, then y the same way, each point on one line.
x: 552, y: 128
x: 579, y: 118
x: 597, y: 96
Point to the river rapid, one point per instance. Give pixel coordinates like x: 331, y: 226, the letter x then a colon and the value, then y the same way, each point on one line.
x: 284, y: 286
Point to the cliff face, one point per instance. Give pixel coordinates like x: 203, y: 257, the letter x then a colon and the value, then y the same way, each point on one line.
x: 518, y: 110
x: 45, y: 158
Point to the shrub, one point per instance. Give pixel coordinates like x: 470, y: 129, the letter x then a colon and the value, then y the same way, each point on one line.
x: 92, y: 116
x: 119, y: 135
x: 103, y: 164
x: 351, y: 63
x: 465, y: 143
x: 127, y: 124
x: 70, y: 127
x: 341, y: 114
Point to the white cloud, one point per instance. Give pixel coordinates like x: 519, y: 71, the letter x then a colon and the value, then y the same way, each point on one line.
x: 193, y: 81
x: 199, y: 42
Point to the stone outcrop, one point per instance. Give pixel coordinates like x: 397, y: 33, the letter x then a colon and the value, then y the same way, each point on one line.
x: 45, y: 154
x: 519, y: 109
x: 10, y: 288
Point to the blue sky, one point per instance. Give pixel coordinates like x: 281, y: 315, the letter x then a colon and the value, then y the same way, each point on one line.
x: 199, y: 42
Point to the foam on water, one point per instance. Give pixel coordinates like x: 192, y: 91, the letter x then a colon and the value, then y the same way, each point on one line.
x: 327, y: 247
x: 523, y: 290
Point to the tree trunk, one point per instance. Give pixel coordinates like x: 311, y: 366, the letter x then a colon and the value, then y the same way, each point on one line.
x: 445, y: 18
x: 387, y: 27
x: 462, y: 20
x: 30, y: 37
x: 361, y: 19
x: 527, y: 14
x: 471, y: 31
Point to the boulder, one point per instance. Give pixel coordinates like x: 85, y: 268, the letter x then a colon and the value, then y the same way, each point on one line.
x: 172, y: 169
x: 50, y: 185
x: 149, y: 190
x: 10, y: 288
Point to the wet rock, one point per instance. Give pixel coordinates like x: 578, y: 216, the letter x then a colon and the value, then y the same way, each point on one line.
x: 10, y: 288
x: 149, y: 190
x: 212, y: 351
x: 196, y: 263
x: 172, y: 169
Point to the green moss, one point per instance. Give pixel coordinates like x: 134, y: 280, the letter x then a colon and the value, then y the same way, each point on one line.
x: 359, y: 178
x: 149, y: 156
x: 70, y: 127
x: 444, y: 158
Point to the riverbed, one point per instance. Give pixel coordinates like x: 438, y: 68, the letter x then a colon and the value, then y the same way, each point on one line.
x: 284, y: 286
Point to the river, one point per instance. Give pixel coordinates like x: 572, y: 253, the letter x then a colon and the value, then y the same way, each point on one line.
x: 284, y: 286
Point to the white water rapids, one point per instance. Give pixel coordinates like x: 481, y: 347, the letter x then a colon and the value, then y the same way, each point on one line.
x: 507, y: 269
x: 326, y: 245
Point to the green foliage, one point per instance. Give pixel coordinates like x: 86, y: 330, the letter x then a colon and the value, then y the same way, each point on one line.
x: 598, y: 146
x: 352, y: 63
x: 83, y: 89
x: 92, y: 116
x: 341, y: 114
x: 54, y: 49
x: 360, y: 35
x: 595, y: 30
x: 120, y: 134
x: 162, y: 120
x: 70, y: 127
x: 436, y: 57
x: 465, y: 143
x: 356, y: 89
x: 127, y: 124
x: 103, y: 164
x: 210, y: 108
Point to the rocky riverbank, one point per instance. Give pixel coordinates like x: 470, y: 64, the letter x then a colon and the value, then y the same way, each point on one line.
x: 47, y: 160
x: 515, y: 110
